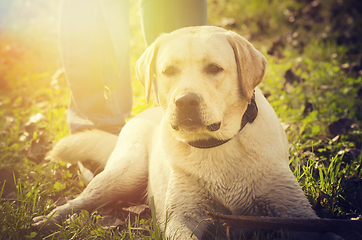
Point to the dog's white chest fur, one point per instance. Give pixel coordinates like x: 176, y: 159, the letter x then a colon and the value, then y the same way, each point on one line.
x: 227, y: 174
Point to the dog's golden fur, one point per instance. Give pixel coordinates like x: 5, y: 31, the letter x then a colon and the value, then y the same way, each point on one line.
x: 213, y: 73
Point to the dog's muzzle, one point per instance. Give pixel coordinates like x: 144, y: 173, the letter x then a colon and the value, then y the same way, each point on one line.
x: 249, y: 116
x: 188, y: 113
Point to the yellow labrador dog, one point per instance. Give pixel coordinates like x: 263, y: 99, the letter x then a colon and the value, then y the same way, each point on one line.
x: 214, y: 144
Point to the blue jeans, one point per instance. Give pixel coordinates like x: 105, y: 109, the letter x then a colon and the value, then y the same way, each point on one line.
x: 95, y: 48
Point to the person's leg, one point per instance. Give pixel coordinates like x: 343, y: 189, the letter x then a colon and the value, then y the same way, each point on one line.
x: 94, y: 40
x: 163, y: 16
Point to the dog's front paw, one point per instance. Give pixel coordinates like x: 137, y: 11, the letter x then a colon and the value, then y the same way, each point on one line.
x: 39, y: 221
x: 44, y: 223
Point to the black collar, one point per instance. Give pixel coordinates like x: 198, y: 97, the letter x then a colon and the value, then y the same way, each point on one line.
x: 248, y: 117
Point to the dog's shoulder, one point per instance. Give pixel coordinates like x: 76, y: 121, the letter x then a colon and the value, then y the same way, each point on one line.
x: 150, y: 116
x: 140, y: 132
x: 145, y: 121
x: 266, y: 132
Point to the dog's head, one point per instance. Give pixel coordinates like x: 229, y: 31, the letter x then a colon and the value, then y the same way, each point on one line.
x: 204, y: 78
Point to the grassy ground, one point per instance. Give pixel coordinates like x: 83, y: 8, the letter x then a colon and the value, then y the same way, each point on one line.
x: 313, y: 82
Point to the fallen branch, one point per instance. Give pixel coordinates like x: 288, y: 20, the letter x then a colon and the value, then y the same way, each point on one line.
x: 289, y: 224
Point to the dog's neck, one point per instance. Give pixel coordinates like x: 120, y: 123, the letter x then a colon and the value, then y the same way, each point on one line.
x: 248, y: 117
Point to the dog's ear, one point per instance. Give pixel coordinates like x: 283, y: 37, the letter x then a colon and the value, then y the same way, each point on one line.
x: 251, y: 64
x: 146, y: 68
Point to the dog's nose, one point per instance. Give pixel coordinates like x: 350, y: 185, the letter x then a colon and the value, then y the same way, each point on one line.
x: 188, y: 101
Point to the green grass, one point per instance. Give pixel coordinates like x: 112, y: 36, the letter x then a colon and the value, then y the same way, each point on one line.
x: 33, y: 115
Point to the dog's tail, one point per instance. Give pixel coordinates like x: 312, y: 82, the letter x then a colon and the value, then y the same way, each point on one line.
x: 92, y: 146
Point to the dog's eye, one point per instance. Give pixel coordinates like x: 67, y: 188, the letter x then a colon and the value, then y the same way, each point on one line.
x: 213, y: 69
x: 169, y: 71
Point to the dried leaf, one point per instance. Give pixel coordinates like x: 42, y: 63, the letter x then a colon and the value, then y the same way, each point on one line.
x: 108, y: 221
x: 341, y: 126
x: 31, y: 126
x: 87, y: 174
x: 285, y: 125
x: 349, y: 154
x: 38, y: 148
x: 138, y: 209
x: 36, y: 118
x: 276, y: 48
x: 227, y: 22
x: 291, y: 77
x: 308, y: 108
